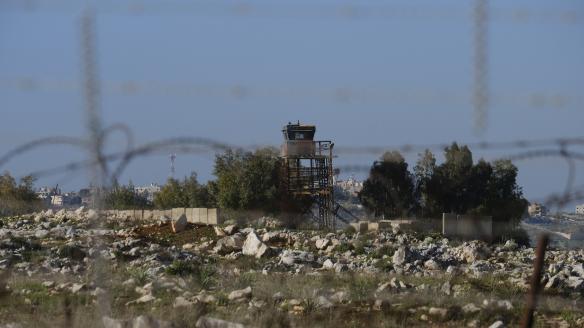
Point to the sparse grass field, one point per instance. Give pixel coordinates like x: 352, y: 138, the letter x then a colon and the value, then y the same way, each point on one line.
x: 31, y: 303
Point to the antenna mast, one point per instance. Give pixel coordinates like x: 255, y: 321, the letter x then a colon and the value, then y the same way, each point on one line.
x: 172, y: 160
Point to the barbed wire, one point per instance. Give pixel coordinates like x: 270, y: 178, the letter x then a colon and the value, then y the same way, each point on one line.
x: 524, y: 150
x: 342, y: 10
x: 336, y: 94
x: 480, y: 87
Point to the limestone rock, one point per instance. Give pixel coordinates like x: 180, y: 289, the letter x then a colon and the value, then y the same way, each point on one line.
x: 230, y: 229
x: 497, y: 324
x: 112, y: 323
x: 401, y: 256
x: 241, y: 294
x: 322, y: 243
x: 208, y: 322
x: 179, y: 224
x: 251, y: 245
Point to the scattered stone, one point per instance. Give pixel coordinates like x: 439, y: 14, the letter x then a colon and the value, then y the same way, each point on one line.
x: 230, y: 229
x: 75, y: 288
x: 470, y: 308
x: 144, y: 321
x: 144, y: 299
x: 446, y: 288
x: 322, y: 243
x: 438, y: 312
x: 323, y: 302
x: 208, y: 322
x: 497, y: 324
x: 219, y: 232
x: 328, y: 264
x: 431, y: 264
x: 381, y: 305
x: 180, y: 224
x: 112, y: 323
x: 238, y: 295
x: 401, y: 256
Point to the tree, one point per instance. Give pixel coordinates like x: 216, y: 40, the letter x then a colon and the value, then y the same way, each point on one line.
x: 185, y: 193
x: 455, y: 186
x: 505, y: 199
x: 449, y: 185
x: 423, y: 172
x: 459, y: 186
x: 252, y: 181
x: 388, y: 190
x: 120, y: 197
x: 17, y: 198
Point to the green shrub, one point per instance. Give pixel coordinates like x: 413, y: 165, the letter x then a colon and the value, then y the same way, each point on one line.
x: 181, y: 268
x: 383, y: 250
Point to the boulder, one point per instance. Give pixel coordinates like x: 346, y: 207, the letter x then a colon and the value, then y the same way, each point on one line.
x: 144, y: 321
x: 92, y: 215
x: 323, y: 302
x: 474, y: 252
x: 322, y: 243
x: 578, y: 269
x: 239, y: 295
x: 230, y: 229
x: 208, y: 322
x: 219, y: 232
x: 228, y: 244
x: 328, y: 264
x: 181, y: 302
x: 497, y: 324
x: 431, y: 264
x: 179, y: 224
x: 251, y: 245
x: 264, y: 251
x: 470, y: 308
x: 438, y: 312
x: 112, y: 323
x: 575, y: 283
x: 401, y: 256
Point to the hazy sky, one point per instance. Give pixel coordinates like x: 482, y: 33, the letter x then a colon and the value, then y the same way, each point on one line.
x: 365, y: 72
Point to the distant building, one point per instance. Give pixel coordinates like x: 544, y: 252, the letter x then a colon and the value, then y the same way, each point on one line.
x: 67, y: 199
x: 350, y: 185
x: 536, y: 209
x: 57, y: 200
x: 580, y: 209
x: 148, y: 192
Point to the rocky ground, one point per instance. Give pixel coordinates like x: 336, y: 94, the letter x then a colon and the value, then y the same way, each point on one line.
x: 77, y: 269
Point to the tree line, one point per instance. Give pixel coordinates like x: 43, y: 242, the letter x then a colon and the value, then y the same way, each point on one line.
x: 17, y: 197
x: 458, y: 185
x: 243, y: 181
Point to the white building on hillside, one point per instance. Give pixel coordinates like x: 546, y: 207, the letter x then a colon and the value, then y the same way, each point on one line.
x: 148, y: 191
x: 536, y: 209
x: 352, y: 186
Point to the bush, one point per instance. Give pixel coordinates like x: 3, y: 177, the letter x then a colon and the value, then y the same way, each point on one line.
x: 383, y: 250
x: 17, y: 198
x: 181, y: 268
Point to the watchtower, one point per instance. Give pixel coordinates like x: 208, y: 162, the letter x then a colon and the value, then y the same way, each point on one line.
x: 308, y: 169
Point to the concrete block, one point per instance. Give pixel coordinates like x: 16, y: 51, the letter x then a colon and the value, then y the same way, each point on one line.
x: 384, y: 225
x: 202, y: 215
x: 362, y: 226
x: 177, y: 212
x: 189, y: 214
x: 213, y: 216
x: 146, y: 215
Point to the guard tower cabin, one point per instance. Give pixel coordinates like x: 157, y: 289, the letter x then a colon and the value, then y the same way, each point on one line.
x: 308, y: 169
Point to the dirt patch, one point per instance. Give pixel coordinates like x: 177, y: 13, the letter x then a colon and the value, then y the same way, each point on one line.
x: 164, y: 236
